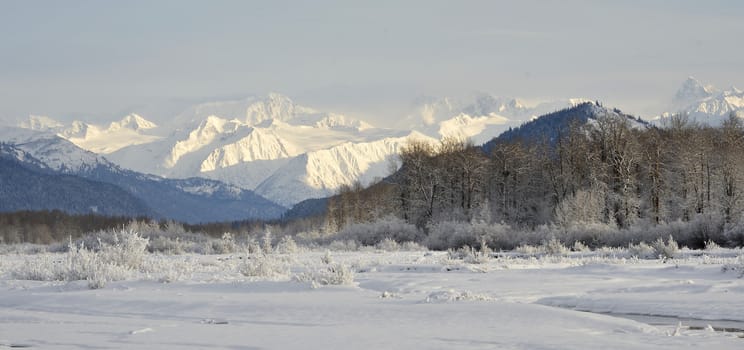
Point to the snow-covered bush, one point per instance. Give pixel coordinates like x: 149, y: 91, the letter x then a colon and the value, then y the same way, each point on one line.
x: 527, y: 249
x: 471, y: 256
x: 114, y: 260
x: 251, y: 245
x: 372, y: 233
x: 591, y: 235
x: 642, y: 251
x: 167, y: 245
x: 554, y: 247
x: 128, y: 249
x: 169, y: 270
x: 327, y: 258
x: 711, y: 245
x: 388, y: 245
x: 42, y: 267
x: 412, y: 247
x: 551, y: 246
x: 579, y: 246
x: 287, y: 245
x: 668, y: 249
x: 734, y: 233
x: 327, y: 275
x: 347, y: 245
x: 445, y: 235
x: 264, y: 266
x: 225, y: 245
x: 267, y: 244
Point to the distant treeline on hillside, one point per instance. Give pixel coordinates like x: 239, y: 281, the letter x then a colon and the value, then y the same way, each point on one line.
x: 53, y: 226
x: 44, y: 227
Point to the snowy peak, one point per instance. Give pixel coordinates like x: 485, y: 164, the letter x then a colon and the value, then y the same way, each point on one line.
x: 131, y: 130
x: 320, y: 173
x: 692, y: 90
x: 478, y: 129
x: 40, y: 123
x: 331, y: 121
x: 208, y: 130
x: 274, y: 106
x: 54, y: 151
x: 133, y: 122
x: 250, y: 111
x: 479, y: 119
x: 260, y: 144
x: 486, y: 104
x: 707, y: 105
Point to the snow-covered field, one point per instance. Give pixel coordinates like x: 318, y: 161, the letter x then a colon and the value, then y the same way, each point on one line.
x: 397, y: 300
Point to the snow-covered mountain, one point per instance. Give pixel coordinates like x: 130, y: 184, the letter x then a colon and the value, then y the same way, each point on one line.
x: 282, y: 150
x: 548, y: 127
x: 28, y: 184
x: 479, y: 118
x: 131, y: 130
x: 189, y: 200
x: 705, y: 103
x: 320, y: 173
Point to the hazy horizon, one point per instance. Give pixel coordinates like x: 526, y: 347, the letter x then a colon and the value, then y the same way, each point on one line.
x: 99, y: 61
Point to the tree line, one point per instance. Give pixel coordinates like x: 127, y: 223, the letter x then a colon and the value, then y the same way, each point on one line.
x: 610, y: 171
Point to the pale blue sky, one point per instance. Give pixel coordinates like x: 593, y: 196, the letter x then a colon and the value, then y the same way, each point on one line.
x: 101, y: 59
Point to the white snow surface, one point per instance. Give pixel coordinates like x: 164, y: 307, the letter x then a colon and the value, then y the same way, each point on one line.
x: 399, y: 300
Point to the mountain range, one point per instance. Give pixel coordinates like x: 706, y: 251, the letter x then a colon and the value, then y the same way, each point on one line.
x: 47, y: 158
x: 271, y: 147
x: 705, y: 103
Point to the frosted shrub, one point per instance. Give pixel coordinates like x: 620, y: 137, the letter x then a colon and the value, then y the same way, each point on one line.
x: 344, y: 246
x: 327, y: 258
x: 593, y: 235
x: 666, y: 250
x: 327, y: 275
x: 455, y: 234
x: 734, y: 233
x: 470, y: 256
x: 412, y: 247
x: 166, y: 245
x: 113, y: 260
x: 225, y: 245
x: 554, y: 247
x: 372, y: 233
x: 98, y: 268
x: 264, y: 266
x: 287, y: 245
x: 642, y: 251
x: 174, y: 228
x: 266, y: 243
x: 579, y: 246
x: 310, y: 236
x: 40, y: 268
x: 451, y: 234
x: 388, y: 245
x: 169, y: 270
x: 252, y: 246
x: 710, y: 245
x: 128, y: 250
x: 527, y: 249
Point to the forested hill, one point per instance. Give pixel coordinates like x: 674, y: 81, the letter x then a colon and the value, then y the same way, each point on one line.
x: 549, y: 127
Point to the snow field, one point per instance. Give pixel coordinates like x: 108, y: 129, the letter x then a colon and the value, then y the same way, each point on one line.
x: 302, y: 298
